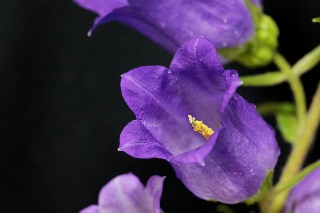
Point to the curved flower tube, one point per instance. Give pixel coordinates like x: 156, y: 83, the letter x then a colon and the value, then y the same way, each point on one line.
x: 227, y: 159
x: 125, y: 193
x: 171, y: 23
x: 305, y: 197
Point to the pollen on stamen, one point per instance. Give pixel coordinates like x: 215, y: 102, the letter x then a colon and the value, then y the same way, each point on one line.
x: 199, y: 126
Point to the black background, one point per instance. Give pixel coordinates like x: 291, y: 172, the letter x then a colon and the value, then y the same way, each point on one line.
x: 61, y: 110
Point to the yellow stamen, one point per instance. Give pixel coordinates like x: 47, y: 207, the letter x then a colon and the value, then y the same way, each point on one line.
x: 199, y: 126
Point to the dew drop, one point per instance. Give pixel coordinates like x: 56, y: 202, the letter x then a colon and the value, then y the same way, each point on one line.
x: 163, y: 25
x: 225, y: 20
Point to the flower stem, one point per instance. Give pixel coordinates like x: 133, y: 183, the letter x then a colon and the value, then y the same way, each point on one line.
x: 295, y: 84
x: 299, y: 151
x: 294, y: 180
x: 303, y: 65
x: 307, y: 62
x: 263, y: 80
x: 273, y: 108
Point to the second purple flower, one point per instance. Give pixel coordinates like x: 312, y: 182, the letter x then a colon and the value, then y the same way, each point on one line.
x: 190, y: 115
x: 171, y: 23
x: 305, y: 196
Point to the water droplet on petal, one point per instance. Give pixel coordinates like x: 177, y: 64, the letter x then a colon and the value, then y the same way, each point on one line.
x: 225, y: 20
x: 163, y: 25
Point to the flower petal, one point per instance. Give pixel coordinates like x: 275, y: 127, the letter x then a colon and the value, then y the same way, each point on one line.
x: 230, y: 174
x: 199, y: 154
x: 90, y: 209
x: 230, y: 166
x: 154, y: 187
x: 159, y: 114
x: 100, y: 6
x: 201, y: 80
x: 137, y: 141
x: 305, y: 196
x: 243, y: 117
x: 171, y: 23
x: 232, y: 82
x: 125, y: 193
x: 194, y: 85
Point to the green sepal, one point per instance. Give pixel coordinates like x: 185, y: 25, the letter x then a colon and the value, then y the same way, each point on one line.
x: 265, y: 188
x: 259, y: 50
x: 288, y: 126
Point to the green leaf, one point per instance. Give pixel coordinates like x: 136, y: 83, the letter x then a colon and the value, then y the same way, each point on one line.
x: 288, y: 126
x: 262, y: 80
x: 285, y: 116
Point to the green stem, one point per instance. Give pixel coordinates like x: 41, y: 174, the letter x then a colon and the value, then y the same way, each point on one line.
x: 294, y: 180
x: 299, y: 151
x: 263, y: 80
x: 316, y: 20
x: 307, y: 62
x: 295, y: 84
x: 273, y: 108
